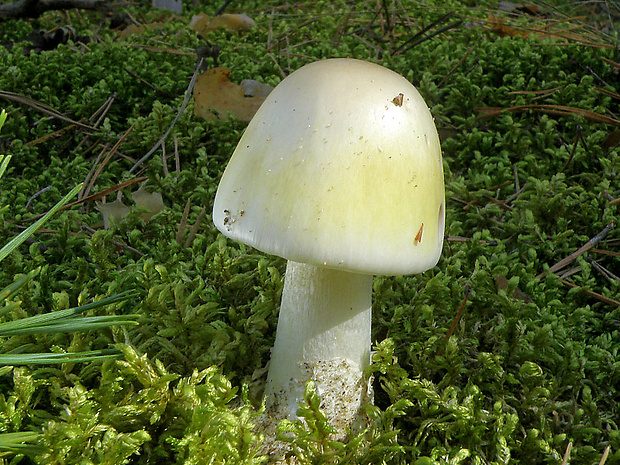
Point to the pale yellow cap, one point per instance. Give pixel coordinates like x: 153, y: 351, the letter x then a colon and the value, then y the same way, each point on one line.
x: 340, y: 167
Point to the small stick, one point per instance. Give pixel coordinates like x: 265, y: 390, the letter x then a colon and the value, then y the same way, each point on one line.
x: 420, y: 37
x: 183, y: 222
x: 163, y: 159
x: 604, y: 271
x: 270, y: 30
x: 92, y: 170
x: 106, y: 160
x: 35, y: 195
x: 103, y: 110
x: 221, y: 9
x: 516, y: 174
x: 570, y: 272
x: 572, y: 153
x: 501, y: 203
x: 90, y: 231
x: 43, y: 108
x: 459, y: 313
x: 596, y: 295
x: 587, y: 246
x: 188, y: 94
x: 192, y: 233
x: 96, y: 196
x: 454, y: 68
x: 148, y: 84
x: 177, y: 162
x: 516, y: 194
x: 605, y: 252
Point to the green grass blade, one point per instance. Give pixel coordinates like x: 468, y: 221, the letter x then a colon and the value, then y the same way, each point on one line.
x: 25, y: 234
x: 11, y: 289
x: 54, y: 359
x: 4, y: 162
x: 17, y: 443
x: 37, y: 323
x: 75, y: 324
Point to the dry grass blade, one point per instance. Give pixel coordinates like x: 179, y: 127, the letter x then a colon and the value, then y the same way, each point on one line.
x: 98, y: 195
x: 90, y: 231
x: 183, y: 223
x: 43, y: 108
x: 188, y: 94
x: 605, y: 252
x: 488, y: 112
x: 422, y: 35
x: 91, y: 183
x: 192, y: 234
x: 596, y: 295
x: 587, y: 246
x: 455, y: 67
x: 457, y: 317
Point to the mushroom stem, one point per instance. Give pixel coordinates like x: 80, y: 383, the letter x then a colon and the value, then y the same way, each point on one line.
x: 323, y: 334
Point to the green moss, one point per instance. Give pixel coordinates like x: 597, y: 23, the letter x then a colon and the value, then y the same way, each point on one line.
x: 528, y: 369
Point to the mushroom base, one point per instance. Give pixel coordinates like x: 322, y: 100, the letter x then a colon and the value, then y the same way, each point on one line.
x: 323, y: 335
x: 343, y: 394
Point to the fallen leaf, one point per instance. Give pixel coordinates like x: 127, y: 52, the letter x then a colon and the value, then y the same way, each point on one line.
x: 502, y: 283
x: 203, y: 24
x: 117, y: 210
x: 564, y: 31
x: 252, y: 88
x: 612, y: 140
x: 216, y: 97
x: 131, y: 30
x: 175, y: 6
x: 501, y: 29
x: 151, y: 201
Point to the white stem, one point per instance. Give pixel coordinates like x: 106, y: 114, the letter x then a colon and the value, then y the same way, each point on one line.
x: 325, y: 320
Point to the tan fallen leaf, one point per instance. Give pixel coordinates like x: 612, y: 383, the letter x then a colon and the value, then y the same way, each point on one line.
x: 151, y: 201
x: 131, y: 30
x: 117, y: 210
x: 252, y: 88
x: 216, y: 97
x: 203, y: 24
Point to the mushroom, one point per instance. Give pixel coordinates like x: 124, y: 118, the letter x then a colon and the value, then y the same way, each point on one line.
x: 340, y: 172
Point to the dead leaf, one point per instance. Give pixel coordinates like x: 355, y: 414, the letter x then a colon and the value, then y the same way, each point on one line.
x: 151, y: 201
x: 252, y: 88
x: 501, y: 29
x: 203, y: 24
x: 216, y: 97
x: 612, y: 140
x: 117, y: 210
x: 502, y: 283
x: 131, y: 30
x: 560, y: 30
x: 175, y: 6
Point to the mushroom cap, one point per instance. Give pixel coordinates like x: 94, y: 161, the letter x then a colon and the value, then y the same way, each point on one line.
x: 340, y: 167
